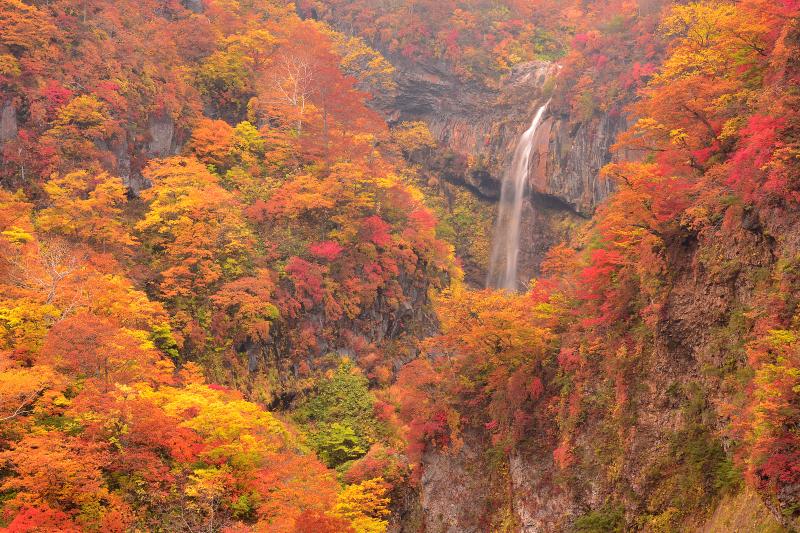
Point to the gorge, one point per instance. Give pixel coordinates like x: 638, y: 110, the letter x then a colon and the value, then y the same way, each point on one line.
x: 679, y: 409
x: 422, y: 266
x: 478, y: 129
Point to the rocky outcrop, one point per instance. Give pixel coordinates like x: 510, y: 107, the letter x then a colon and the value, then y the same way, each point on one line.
x: 674, y: 386
x: 537, y: 508
x: 8, y: 122
x: 122, y: 158
x: 470, y: 120
x: 162, y: 134
x: 195, y: 6
x: 459, y: 488
x: 480, y: 127
x: 129, y: 157
x: 570, y: 159
x: 546, y: 221
x: 127, y: 163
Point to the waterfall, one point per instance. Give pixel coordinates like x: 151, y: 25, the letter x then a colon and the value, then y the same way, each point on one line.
x: 505, y: 245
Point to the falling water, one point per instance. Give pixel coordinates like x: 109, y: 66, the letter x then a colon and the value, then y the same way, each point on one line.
x: 505, y: 246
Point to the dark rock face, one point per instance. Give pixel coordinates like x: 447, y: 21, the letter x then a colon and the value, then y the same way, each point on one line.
x: 122, y: 159
x: 162, y: 133
x: 195, y: 6
x: 572, y: 159
x: 127, y: 165
x: 128, y: 157
x: 8, y: 122
x: 479, y: 128
x: 470, y: 120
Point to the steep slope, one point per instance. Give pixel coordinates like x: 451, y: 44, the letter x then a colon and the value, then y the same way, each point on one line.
x: 648, y: 380
x: 208, y: 246
x: 227, y: 303
x: 478, y: 115
x: 478, y: 127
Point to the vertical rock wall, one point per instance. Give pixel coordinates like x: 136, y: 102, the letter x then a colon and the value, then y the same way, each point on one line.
x: 8, y: 122
x: 479, y: 128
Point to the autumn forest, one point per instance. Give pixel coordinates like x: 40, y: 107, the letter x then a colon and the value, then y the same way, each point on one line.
x: 245, y: 244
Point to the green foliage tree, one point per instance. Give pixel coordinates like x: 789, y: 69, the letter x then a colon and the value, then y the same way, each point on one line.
x: 340, y: 416
x: 337, y: 444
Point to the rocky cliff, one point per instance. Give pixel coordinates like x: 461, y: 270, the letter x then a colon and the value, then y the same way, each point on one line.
x: 482, y: 125
x: 670, y: 446
x: 478, y: 128
x: 478, y: 487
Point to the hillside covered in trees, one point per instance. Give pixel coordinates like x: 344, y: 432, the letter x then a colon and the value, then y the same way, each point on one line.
x: 243, y: 245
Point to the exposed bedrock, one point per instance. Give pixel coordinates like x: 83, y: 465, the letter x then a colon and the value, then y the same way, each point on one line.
x: 482, y: 125
x: 479, y: 127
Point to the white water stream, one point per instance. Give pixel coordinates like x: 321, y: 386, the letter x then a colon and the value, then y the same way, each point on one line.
x: 505, y: 245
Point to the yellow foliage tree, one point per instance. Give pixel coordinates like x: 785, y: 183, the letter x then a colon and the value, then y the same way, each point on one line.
x: 366, y: 505
x: 86, y: 207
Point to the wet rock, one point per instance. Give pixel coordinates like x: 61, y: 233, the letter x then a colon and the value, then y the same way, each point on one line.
x: 568, y: 167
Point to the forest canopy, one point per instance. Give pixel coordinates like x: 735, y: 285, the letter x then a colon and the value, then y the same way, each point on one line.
x: 232, y: 293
